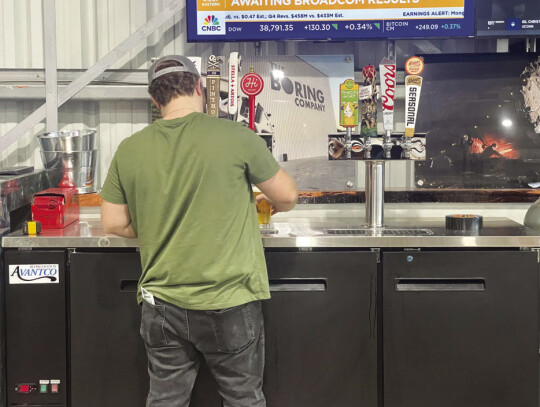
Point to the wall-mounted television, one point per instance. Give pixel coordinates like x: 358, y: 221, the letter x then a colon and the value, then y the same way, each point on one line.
x: 482, y: 124
x: 269, y: 20
x: 507, y: 18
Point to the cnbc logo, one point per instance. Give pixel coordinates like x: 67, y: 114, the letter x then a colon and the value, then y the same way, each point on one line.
x: 211, y: 24
x: 211, y: 20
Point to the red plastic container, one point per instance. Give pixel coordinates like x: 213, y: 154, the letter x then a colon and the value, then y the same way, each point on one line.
x: 56, y: 208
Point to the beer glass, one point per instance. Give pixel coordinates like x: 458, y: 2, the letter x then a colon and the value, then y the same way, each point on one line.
x: 264, y: 210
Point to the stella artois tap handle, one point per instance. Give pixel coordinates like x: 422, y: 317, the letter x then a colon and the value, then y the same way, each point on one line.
x: 252, y: 84
x: 234, y: 69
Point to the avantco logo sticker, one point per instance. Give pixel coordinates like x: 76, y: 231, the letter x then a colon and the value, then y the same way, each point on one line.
x: 211, y: 24
x: 34, y: 274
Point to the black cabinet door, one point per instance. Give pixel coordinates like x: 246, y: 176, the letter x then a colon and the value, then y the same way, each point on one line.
x: 321, y: 332
x: 321, y: 329
x: 108, y: 359
x: 460, y: 329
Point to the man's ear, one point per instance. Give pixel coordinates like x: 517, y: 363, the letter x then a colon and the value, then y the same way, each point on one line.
x: 156, y: 103
x: 198, y: 88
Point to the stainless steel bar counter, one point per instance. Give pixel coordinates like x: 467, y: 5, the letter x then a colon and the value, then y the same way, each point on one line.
x: 326, y: 231
x: 450, y: 317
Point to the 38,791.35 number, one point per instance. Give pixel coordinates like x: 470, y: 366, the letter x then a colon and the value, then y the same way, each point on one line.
x: 275, y: 27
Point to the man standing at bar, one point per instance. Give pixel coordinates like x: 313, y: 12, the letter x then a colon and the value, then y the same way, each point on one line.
x: 182, y: 186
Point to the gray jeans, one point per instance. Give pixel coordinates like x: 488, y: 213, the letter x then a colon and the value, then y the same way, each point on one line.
x: 230, y: 340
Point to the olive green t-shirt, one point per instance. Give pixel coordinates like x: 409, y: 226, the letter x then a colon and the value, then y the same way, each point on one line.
x: 187, y: 184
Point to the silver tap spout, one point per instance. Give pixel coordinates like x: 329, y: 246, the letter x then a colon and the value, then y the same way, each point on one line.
x: 387, y: 144
x: 367, y: 147
x: 348, y: 143
x: 407, y: 146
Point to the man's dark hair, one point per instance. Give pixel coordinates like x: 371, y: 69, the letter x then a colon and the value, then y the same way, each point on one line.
x: 173, y: 84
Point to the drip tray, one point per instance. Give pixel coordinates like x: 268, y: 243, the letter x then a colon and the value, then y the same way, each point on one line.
x: 380, y: 232
x: 269, y: 231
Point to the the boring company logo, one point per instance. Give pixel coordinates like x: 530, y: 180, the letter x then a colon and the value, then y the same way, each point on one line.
x: 306, y: 96
x: 34, y: 274
x: 211, y: 23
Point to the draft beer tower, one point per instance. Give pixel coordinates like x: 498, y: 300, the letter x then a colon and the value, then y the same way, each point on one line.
x: 368, y: 146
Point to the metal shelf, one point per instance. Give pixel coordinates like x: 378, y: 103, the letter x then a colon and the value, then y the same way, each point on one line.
x: 29, y: 84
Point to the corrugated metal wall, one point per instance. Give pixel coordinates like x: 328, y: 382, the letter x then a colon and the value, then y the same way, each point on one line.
x: 113, y: 120
x: 88, y: 29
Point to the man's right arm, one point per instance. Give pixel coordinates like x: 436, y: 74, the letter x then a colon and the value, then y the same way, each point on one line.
x: 280, y: 191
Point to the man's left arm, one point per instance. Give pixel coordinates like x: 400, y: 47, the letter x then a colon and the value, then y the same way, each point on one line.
x: 115, y: 216
x: 116, y: 220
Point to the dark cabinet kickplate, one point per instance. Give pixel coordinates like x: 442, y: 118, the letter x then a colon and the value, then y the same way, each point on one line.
x: 379, y: 232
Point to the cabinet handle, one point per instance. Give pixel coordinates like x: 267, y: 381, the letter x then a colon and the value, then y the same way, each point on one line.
x: 298, y: 284
x: 128, y: 286
x: 284, y: 284
x: 440, y: 284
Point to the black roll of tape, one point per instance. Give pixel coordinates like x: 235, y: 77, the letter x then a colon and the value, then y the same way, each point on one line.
x: 464, y: 222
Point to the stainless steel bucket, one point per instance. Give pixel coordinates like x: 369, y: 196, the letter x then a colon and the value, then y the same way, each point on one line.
x: 68, y: 141
x: 70, y: 153
x: 79, y: 166
x: 69, y: 160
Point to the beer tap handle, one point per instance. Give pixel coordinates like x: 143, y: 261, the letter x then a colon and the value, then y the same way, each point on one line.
x: 234, y: 70
x: 348, y: 101
x: 387, y: 70
x: 368, y: 126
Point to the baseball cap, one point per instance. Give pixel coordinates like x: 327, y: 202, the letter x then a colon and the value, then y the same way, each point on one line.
x: 186, y: 65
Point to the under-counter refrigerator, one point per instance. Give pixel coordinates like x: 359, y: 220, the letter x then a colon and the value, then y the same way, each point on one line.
x: 460, y: 328
x: 72, y: 330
